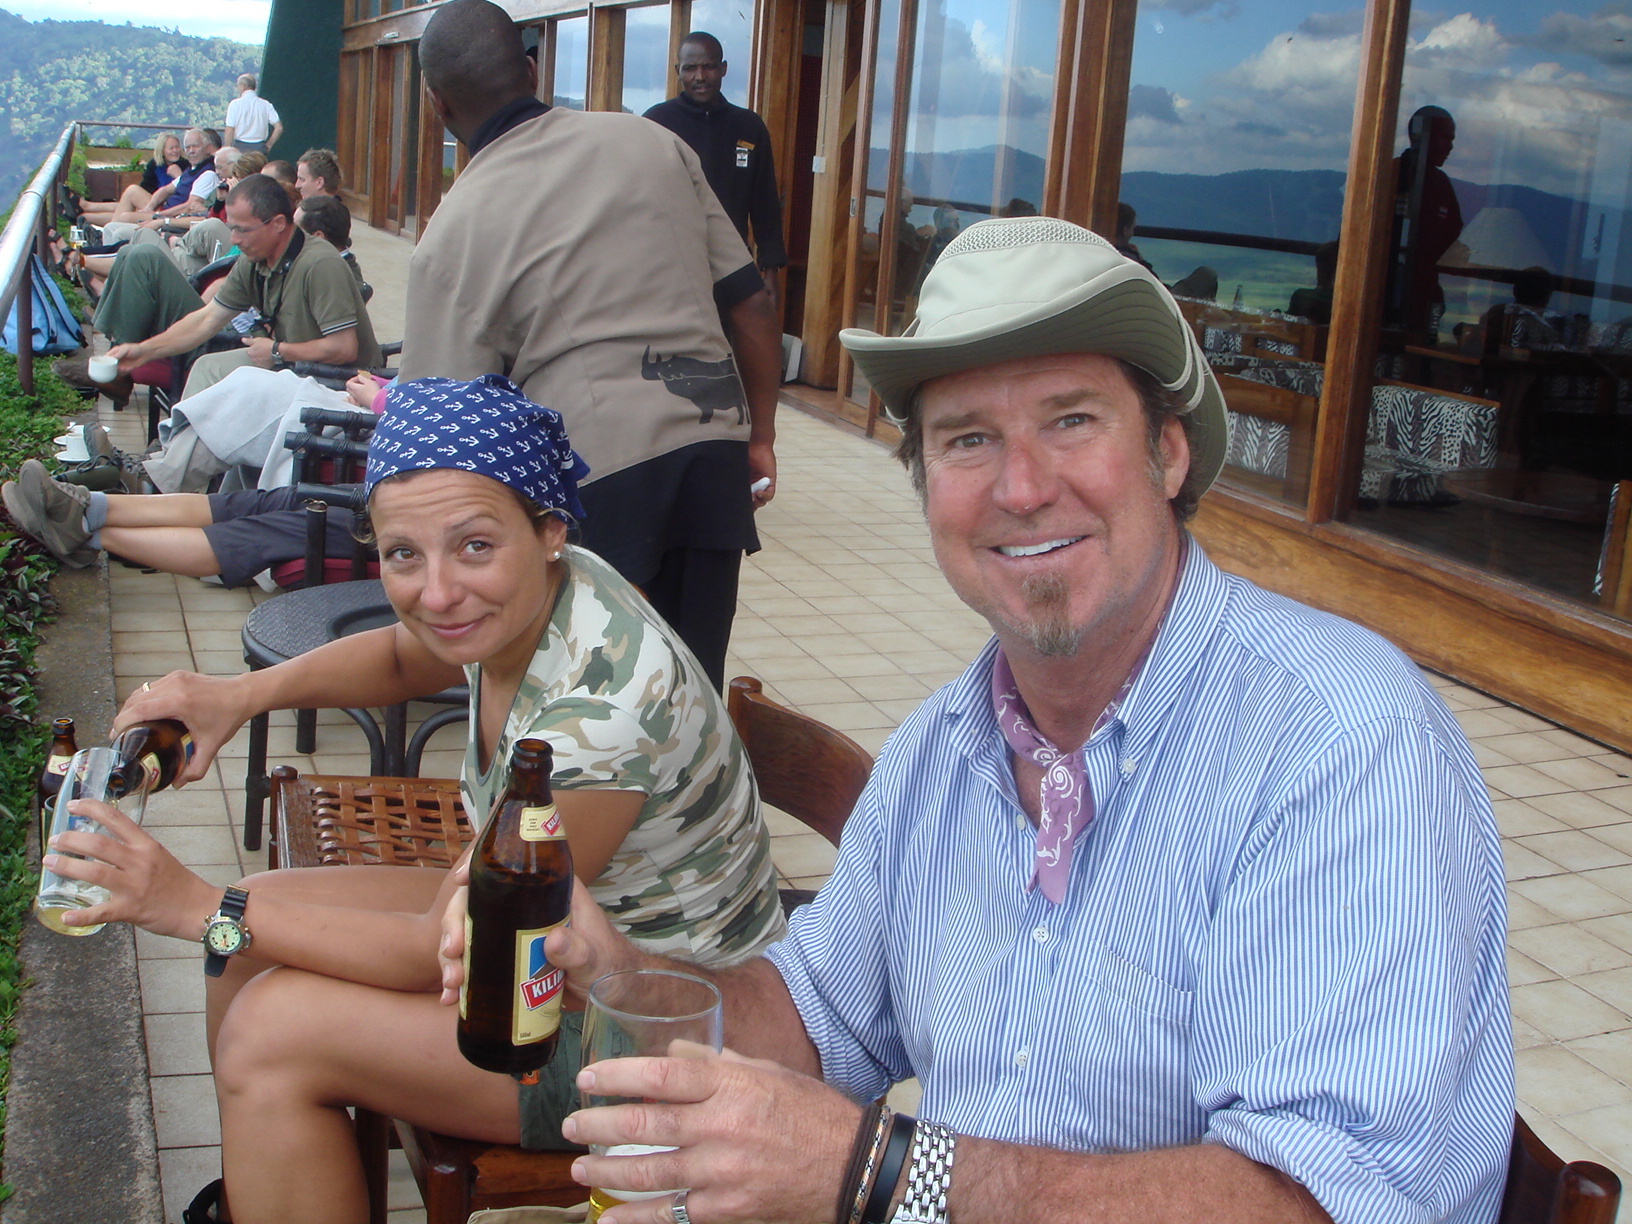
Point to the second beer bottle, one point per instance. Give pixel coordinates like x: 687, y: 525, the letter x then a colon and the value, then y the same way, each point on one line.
x: 151, y: 754
x: 520, y: 891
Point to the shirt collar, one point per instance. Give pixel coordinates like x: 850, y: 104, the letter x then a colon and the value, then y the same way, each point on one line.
x: 512, y: 114
x: 1192, y: 618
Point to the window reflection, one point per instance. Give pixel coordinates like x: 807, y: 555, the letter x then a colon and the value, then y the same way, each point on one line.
x: 1509, y: 291
x: 571, y: 62
x: 646, y: 67
x: 1234, y: 170
x: 970, y: 141
x: 730, y: 21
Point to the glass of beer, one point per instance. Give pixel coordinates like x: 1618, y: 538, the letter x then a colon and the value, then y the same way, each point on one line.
x: 645, y: 1013
x: 92, y: 774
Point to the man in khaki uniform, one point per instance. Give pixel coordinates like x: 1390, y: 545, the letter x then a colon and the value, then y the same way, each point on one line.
x: 602, y: 296
x: 301, y: 300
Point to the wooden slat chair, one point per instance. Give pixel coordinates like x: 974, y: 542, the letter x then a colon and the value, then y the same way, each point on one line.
x: 802, y: 766
x: 1542, y: 1188
x: 1296, y: 413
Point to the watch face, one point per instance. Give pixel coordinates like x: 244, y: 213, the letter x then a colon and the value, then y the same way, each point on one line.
x: 224, y: 937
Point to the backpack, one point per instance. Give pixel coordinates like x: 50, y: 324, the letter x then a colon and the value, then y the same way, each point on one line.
x: 56, y: 328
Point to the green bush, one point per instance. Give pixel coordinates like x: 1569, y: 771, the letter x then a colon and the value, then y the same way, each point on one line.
x: 28, y: 423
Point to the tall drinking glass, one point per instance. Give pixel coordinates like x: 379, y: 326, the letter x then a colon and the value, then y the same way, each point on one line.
x: 645, y: 1013
x: 90, y: 775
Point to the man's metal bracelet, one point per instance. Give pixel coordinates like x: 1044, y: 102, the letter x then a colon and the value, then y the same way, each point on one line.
x: 929, y: 1177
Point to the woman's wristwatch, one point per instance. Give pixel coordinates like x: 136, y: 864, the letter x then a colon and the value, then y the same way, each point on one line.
x: 225, y: 934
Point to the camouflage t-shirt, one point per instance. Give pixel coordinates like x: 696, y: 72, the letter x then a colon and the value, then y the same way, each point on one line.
x: 625, y: 706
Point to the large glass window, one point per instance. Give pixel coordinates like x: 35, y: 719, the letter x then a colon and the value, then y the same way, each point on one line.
x: 1503, y: 409
x: 646, y: 68
x: 968, y: 140
x: 1233, y: 176
x: 571, y: 62
x: 730, y: 21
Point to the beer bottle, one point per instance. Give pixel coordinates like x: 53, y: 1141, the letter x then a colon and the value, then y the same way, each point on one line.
x: 520, y: 891
x: 62, y: 751
x: 151, y: 754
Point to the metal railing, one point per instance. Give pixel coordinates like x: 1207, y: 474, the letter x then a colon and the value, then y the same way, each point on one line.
x: 25, y: 234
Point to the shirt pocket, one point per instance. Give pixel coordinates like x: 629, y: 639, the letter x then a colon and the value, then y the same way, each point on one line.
x: 1139, y: 1063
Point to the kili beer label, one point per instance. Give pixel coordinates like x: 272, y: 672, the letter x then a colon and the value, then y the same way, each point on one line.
x: 150, y: 770
x: 537, y: 1010
x: 58, y: 765
x: 540, y: 824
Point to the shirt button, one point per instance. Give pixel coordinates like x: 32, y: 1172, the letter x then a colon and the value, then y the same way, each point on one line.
x: 1021, y: 1058
x: 1040, y: 934
x: 1128, y: 766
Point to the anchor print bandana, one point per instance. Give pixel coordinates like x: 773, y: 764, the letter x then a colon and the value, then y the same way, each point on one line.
x: 486, y: 426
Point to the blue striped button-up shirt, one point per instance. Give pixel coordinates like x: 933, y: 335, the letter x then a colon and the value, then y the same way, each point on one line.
x: 1283, y: 931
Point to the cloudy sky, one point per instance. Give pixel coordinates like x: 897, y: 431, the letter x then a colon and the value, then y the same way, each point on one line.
x: 240, y: 20
x: 1535, y: 88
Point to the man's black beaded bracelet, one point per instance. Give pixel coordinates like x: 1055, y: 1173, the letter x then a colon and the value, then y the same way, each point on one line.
x: 877, y: 1210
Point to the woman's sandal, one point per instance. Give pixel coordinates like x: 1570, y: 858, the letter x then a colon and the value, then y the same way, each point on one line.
x: 206, y: 1205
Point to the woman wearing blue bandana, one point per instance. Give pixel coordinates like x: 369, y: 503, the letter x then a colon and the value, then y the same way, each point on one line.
x: 471, y: 489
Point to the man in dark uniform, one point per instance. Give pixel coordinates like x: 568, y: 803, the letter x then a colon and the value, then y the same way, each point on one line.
x: 733, y: 146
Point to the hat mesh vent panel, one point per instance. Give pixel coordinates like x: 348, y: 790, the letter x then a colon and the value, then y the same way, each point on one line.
x: 1032, y: 230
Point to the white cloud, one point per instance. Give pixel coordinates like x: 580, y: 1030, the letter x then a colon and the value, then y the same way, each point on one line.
x: 240, y: 20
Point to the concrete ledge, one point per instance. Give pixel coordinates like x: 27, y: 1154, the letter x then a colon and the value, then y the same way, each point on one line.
x: 80, y: 1144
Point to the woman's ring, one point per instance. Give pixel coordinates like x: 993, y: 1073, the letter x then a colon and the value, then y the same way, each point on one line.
x: 678, y: 1208
x: 147, y: 685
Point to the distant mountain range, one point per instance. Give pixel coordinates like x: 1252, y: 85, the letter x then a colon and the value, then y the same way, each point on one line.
x: 52, y: 72
x: 1302, y: 205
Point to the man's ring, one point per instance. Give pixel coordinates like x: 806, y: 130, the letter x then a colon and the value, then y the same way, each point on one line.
x: 147, y: 685
x: 678, y: 1208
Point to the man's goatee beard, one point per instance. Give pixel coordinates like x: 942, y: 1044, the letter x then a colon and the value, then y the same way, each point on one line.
x: 1049, y: 630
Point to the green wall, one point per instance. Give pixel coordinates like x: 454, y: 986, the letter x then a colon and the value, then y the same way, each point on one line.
x: 300, y: 72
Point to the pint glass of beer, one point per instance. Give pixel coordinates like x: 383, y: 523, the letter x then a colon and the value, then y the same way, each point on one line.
x: 645, y: 1013
x: 92, y: 774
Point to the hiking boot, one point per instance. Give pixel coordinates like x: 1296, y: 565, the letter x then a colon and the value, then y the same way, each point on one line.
x: 51, y: 513
x: 97, y: 442
x: 75, y: 370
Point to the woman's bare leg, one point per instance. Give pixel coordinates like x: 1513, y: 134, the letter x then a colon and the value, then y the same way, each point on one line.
x: 406, y: 890
x: 296, y: 1049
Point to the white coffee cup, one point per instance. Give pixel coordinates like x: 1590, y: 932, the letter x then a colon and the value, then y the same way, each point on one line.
x: 103, y: 369
x: 71, y: 448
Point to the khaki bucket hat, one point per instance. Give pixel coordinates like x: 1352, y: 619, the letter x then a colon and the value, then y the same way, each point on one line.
x: 1034, y: 287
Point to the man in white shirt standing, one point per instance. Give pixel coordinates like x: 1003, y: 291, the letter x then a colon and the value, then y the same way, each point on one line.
x: 252, y: 122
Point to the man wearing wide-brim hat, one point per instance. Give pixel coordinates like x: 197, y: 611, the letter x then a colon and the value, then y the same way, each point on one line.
x: 1184, y: 901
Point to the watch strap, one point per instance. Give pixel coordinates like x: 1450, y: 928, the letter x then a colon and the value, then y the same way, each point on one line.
x: 232, y: 906
x: 929, y: 1175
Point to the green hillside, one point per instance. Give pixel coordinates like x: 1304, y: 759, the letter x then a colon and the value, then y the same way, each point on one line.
x: 52, y: 72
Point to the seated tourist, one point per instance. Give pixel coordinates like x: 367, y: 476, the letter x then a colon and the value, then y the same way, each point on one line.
x: 165, y: 166
x: 1183, y: 902
x: 189, y: 194
x: 334, y: 1002
x: 292, y: 293
x: 202, y: 240
x: 317, y: 173
x: 328, y: 217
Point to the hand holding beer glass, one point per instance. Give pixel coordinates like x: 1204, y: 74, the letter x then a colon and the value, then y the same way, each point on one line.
x: 93, y: 773
x: 645, y: 1013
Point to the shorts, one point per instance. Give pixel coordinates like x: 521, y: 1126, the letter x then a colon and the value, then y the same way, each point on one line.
x: 255, y: 529
x: 545, y: 1103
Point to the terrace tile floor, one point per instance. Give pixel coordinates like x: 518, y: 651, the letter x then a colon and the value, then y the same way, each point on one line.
x: 844, y: 616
